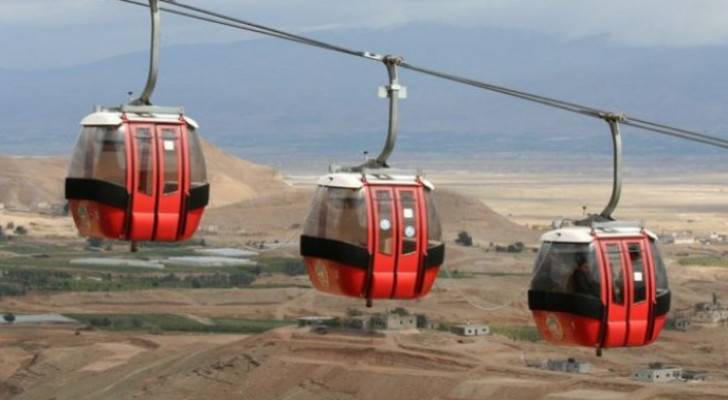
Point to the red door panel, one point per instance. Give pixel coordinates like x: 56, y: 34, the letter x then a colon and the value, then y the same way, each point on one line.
x: 190, y: 219
x: 170, y: 183
x: 640, y: 279
x: 384, y: 225
x: 144, y: 182
x: 617, y: 300
x: 409, y: 230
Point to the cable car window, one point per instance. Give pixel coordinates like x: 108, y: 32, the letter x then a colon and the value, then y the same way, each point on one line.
x: 170, y: 150
x: 638, y: 272
x: 198, y: 169
x: 409, y: 222
x: 660, y: 271
x: 338, y: 214
x: 144, y: 155
x: 82, y: 161
x: 567, y: 268
x: 615, y: 266
x: 315, y: 224
x: 385, y: 223
x: 434, y: 229
x: 100, y: 153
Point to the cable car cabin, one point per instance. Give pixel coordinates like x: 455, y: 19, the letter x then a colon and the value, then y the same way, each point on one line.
x: 599, y: 286
x: 373, y: 236
x: 138, y: 177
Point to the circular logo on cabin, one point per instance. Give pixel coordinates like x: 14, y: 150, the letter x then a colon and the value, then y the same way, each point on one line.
x: 321, y: 273
x: 409, y: 231
x: 554, y: 327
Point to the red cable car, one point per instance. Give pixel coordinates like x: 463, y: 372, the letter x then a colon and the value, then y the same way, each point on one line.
x: 137, y: 176
x: 373, y: 233
x: 138, y: 172
x: 599, y: 286
x: 373, y: 236
x: 598, y: 282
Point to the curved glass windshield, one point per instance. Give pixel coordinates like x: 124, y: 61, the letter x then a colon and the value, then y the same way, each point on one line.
x: 198, y: 169
x: 338, y: 214
x: 100, y: 153
x: 434, y: 228
x: 569, y: 268
x: 660, y: 270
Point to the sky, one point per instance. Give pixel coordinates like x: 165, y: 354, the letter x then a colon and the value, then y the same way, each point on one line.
x: 40, y: 34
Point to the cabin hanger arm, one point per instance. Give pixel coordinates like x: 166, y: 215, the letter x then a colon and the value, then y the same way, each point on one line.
x: 145, y: 98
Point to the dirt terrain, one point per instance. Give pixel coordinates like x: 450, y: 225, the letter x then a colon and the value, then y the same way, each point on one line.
x: 251, y: 202
x: 291, y: 363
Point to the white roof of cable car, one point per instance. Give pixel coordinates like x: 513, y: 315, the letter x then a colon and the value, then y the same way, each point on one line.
x: 113, y: 118
x: 354, y: 180
x: 585, y: 234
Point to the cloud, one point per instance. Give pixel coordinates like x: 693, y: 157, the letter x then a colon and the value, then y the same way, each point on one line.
x: 629, y: 22
x: 79, y: 25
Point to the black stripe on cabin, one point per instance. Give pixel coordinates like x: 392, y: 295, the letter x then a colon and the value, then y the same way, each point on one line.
x: 663, y: 303
x: 334, y: 250
x: 435, y: 256
x: 99, y: 191
x: 199, y: 197
x: 576, y: 304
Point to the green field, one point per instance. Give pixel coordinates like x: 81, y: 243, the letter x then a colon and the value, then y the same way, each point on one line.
x: 454, y: 274
x: 37, y: 266
x: 158, y: 323
x: 704, y: 261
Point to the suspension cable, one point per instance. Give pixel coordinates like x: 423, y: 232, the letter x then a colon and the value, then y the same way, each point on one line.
x: 211, y: 20
x: 268, y: 30
x: 222, y: 19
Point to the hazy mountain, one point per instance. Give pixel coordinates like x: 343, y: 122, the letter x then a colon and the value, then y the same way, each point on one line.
x: 268, y: 100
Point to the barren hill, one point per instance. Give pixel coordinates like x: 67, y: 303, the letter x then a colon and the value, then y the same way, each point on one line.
x: 247, y: 199
x: 233, y: 179
x: 280, y: 216
x: 28, y: 181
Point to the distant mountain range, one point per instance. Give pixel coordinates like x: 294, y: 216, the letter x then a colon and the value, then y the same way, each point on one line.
x: 271, y: 101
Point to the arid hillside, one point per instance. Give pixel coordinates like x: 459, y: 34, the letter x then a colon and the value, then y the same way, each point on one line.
x: 28, y: 181
x: 247, y: 201
x: 280, y: 215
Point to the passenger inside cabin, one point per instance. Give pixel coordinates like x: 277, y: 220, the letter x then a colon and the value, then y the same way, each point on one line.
x: 582, y: 278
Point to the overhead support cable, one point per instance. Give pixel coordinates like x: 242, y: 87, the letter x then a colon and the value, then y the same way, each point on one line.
x: 222, y: 19
x: 211, y: 20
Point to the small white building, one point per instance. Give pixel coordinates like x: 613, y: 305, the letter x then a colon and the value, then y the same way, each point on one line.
x: 471, y: 330
x: 684, y: 240
x: 393, y: 321
x: 658, y: 373
x: 713, y: 313
x: 680, y: 323
x: 569, y: 365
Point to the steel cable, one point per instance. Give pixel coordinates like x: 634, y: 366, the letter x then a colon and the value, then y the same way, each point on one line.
x: 222, y: 19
